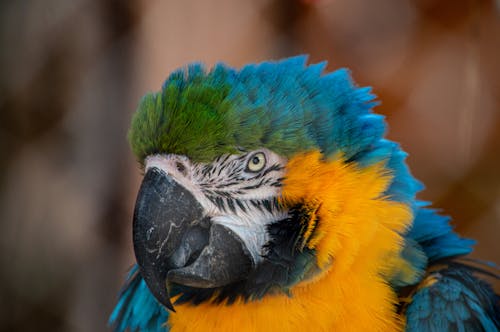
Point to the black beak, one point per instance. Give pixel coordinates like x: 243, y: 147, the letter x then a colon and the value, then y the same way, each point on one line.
x: 175, y: 242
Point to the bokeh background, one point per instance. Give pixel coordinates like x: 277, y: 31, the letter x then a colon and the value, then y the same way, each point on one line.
x: 72, y: 72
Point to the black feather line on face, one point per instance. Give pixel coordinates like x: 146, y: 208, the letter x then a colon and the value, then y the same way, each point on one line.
x: 220, y: 203
x: 241, y: 205
x: 285, y: 263
x: 231, y: 205
x: 275, y: 167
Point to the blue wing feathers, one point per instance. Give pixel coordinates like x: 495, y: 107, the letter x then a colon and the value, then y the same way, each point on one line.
x: 137, y: 309
x: 452, y: 299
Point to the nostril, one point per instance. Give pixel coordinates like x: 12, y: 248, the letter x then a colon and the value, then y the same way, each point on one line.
x: 181, y: 168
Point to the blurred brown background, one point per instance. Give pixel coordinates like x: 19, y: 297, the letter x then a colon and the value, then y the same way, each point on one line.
x: 71, y: 73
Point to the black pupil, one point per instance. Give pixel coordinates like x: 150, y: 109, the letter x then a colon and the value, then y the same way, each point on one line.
x: 255, y: 160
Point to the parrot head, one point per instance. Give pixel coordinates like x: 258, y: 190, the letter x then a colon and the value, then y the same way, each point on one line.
x: 264, y: 179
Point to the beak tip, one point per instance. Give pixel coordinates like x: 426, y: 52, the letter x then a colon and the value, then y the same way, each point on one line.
x: 170, y: 306
x: 165, y: 300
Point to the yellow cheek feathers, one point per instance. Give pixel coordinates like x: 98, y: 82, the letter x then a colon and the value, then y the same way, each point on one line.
x: 358, y: 243
x: 355, y: 220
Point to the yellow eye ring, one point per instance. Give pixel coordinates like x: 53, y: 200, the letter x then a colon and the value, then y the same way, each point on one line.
x: 256, y: 162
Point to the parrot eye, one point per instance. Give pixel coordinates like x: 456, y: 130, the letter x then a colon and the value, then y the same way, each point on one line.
x: 256, y: 162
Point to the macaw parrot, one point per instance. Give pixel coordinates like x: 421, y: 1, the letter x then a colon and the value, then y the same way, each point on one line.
x: 271, y: 201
